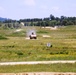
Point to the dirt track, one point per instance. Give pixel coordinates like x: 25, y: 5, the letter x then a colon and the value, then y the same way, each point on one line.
x: 40, y: 73
x: 37, y: 62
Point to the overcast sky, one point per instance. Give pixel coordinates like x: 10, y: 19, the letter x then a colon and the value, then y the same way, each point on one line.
x: 20, y: 9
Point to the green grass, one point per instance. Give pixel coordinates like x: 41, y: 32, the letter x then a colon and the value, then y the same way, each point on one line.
x: 18, y: 48
x: 39, y: 68
x: 2, y: 37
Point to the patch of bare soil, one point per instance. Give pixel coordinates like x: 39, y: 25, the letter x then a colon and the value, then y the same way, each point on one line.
x: 45, y: 35
x: 39, y: 73
x: 27, y: 38
x: 18, y: 30
x: 51, y: 28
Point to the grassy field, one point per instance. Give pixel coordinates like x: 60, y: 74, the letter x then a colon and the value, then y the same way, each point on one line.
x: 39, y: 68
x: 15, y: 46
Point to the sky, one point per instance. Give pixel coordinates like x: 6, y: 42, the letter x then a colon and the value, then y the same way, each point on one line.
x: 23, y: 9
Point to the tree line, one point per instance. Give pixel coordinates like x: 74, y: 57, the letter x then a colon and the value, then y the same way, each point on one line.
x: 48, y: 21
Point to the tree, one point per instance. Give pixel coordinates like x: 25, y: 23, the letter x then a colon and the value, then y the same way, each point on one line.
x: 70, y: 23
x: 52, y: 17
x: 53, y: 23
x: 58, y: 23
x: 32, y: 24
x: 64, y: 22
x: 46, y: 19
x: 39, y: 23
x: 47, y: 23
x: 57, y: 19
x: 43, y: 23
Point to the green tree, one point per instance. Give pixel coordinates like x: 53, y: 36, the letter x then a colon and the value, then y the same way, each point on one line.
x: 52, y: 17
x: 47, y: 23
x: 32, y: 24
x: 43, y: 23
x: 53, y: 23
x: 64, y: 22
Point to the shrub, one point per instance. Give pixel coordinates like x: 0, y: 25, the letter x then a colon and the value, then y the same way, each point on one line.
x: 19, y: 53
x: 2, y: 37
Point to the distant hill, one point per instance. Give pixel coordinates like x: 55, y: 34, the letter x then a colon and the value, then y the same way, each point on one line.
x: 3, y: 19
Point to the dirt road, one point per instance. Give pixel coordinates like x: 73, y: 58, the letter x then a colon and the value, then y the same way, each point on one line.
x: 37, y: 62
x: 40, y: 73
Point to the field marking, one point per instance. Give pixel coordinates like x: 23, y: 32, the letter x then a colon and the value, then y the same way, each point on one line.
x: 37, y: 62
